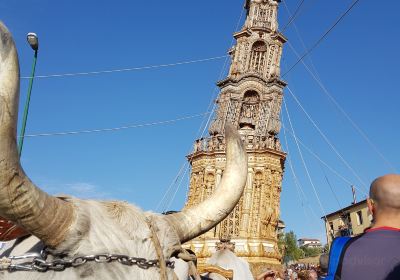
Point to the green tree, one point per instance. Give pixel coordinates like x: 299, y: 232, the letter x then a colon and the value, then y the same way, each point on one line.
x: 311, y: 252
x: 326, y: 248
x: 292, y: 251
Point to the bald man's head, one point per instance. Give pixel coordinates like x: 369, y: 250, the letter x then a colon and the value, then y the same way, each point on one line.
x: 385, y: 191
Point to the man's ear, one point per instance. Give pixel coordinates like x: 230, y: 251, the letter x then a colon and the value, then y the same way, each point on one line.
x: 371, y: 206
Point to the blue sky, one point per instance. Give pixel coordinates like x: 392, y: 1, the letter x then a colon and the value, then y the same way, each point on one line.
x: 357, y: 63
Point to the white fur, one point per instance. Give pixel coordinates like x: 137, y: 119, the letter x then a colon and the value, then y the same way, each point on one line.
x: 108, y: 227
x: 228, y: 260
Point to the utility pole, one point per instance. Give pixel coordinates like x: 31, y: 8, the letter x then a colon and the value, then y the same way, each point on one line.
x: 34, y: 43
x: 354, y: 194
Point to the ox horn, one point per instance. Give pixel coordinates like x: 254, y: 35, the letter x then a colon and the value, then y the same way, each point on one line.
x: 42, y: 215
x: 198, y: 219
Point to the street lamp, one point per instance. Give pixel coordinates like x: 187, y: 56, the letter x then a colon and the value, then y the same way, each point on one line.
x: 33, y: 41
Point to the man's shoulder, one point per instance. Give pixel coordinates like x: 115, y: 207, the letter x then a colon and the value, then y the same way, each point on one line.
x: 379, y: 237
x: 370, y: 255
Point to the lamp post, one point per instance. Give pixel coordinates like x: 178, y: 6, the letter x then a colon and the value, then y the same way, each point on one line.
x: 34, y: 43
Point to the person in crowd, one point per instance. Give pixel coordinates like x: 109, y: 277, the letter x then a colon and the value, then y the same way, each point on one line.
x: 312, y: 274
x: 323, y: 266
x: 267, y: 275
x: 374, y: 255
x: 303, y: 275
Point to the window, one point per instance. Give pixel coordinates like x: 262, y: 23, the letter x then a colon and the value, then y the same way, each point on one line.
x: 257, y: 59
x: 331, y: 225
x: 359, y: 218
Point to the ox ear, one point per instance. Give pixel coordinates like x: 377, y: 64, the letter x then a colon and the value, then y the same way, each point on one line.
x: 192, y: 222
x: 21, y: 202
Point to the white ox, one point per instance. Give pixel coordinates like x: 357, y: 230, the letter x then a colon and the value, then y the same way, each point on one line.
x: 223, y: 258
x: 226, y: 259
x: 73, y: 227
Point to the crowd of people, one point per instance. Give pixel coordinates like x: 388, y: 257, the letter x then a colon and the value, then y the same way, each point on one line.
x: 297, y: 271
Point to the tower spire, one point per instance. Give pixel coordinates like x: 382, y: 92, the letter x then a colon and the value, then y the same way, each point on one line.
x: 250, y: 98
x: 255, y: 68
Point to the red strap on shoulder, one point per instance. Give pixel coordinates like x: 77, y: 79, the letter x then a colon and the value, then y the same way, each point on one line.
x: 9, y: 231
x: 382, y: 228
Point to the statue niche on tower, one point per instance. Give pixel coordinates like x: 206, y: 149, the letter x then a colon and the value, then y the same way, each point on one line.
x: 249, y: 112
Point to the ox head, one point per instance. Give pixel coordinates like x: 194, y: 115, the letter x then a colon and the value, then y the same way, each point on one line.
x: 52, y: 219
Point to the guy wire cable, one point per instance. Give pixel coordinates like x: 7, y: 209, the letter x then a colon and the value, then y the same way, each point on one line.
x: 326, y: 138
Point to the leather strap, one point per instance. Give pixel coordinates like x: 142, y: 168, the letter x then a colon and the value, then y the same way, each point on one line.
x: 10, y: 231
x: 157, y: 246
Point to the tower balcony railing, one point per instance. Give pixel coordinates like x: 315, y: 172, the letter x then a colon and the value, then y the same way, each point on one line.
x: 251, y: 142
x: 262, y: 24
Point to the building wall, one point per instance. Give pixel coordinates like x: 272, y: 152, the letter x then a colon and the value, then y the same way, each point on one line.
x: 339, y: 223
x: 357, y: 227
x: 311, y: 243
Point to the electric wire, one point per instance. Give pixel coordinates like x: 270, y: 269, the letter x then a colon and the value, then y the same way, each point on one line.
x: 223, y: 71
x: 301, y: 41
x: 203, y: 126
x: 161, y: 203
x: 342, y: 111
x: 316, y: 44
x: 300, y: 190
x: 314, y: 74
x: 330, y: 187
x: 177, y: 188
x: 293, y: 16
x: 304, y: 163
x: 326, y: 139
x: 324, y: 163
x: 87, y: 131
x: 126, y: 69
x: 320, y: 160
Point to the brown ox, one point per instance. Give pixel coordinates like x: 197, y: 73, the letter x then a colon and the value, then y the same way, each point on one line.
x: 71, y: 227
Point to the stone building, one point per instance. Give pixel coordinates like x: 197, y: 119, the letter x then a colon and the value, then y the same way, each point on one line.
x: 349, y: 221
x: 250, y: 98
x: 309, y: 242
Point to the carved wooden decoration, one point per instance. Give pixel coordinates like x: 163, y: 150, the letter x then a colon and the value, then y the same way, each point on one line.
x: 250, y: 98
x: 227, y: 273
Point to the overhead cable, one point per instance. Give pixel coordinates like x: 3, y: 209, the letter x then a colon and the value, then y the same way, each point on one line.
x: 314, y: 74
x: 316, y: 44
x: 223, y: 71
x: 331, y: 187
x: 127, y: 69
x: 177, y: 188
x: 316, y: 77
x: 326, y: 138
x: 345, y: 114
x: 167, y: 199
x: 300, y: 190
x: 164, y: 200
x: 324, y: 163
x: 114, y: 128
x: 304, y: 163
x: 293, y: 16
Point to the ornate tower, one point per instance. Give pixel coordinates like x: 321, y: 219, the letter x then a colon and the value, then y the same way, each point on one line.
x: 250, y: 98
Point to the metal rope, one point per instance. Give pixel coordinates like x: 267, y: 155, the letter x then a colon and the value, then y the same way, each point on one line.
x: 316, y: 44
x: 114, y: 128
x: 299, y: 188
x: 304, y: 163
x: 326, y: 138
x: 324, y: 163
x: 127, y: 69
x: 341, y: 110
x: 293, y: 16
x: 203, y: 127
